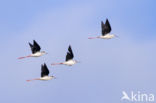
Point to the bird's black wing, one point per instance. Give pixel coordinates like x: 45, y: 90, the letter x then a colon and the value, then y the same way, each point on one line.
x: 106, y: 28
x: 36, y: 47
x: 102, y: 28
x: 70, y: 54
x: 31, y: 46
x: 44, y: 70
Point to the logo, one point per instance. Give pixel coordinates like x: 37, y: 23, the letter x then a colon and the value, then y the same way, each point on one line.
x: 137, y: 97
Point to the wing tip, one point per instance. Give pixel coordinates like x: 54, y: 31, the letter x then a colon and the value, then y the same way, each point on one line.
x: 34, y: 40
x: 69, y: 45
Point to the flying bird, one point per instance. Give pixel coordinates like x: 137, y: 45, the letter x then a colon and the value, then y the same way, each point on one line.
x: 69, y: 58
x: 106, y: 29
x: 44, y: 74
x: 35, y: 48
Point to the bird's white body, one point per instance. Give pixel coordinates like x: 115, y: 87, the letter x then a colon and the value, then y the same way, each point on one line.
x: 70, y: 62
x: 46, y: 78
x: 107, y: 36
x: 37, y: 54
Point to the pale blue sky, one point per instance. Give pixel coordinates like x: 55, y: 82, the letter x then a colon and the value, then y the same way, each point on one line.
x: 107, y: 66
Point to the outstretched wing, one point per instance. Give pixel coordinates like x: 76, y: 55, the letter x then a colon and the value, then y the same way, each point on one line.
x: 31, y: 46
x: 36, y: 47
x: 44, y: 70
x: 106, y: 28
x: 103, y: 28
x: 70, y: 54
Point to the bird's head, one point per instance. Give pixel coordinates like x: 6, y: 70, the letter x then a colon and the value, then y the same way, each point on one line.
x: 116, y: 36
x: 43, y: 52
x: 53, y: 77
x: 77, y: 61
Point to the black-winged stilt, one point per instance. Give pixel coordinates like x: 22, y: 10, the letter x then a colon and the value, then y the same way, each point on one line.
x: 106, y: 29
x: 69, y: 58
x: 44, y: 74
x: 35, y: 48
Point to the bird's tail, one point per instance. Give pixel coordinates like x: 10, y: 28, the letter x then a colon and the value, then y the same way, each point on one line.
x: 32, y: 79
x: 24, y: 57
x: 56, y: 63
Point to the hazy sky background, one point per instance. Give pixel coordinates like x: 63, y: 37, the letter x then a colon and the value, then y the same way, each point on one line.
x: 107, y: 66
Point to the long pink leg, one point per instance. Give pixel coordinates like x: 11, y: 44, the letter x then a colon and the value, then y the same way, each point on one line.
x: 32, y: 79
x: 56, y: 63
x: 93, y: 37
x: 24, y: 57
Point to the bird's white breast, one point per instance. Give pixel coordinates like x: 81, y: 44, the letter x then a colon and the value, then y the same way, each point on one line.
x: 70, y: 62
x: 37, y: 54
x: 108, y: 36
x: 46, y: 78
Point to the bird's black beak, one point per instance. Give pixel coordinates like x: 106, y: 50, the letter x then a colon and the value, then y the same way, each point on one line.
x: 54, y: 77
